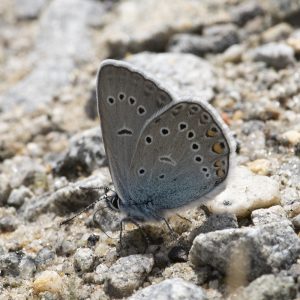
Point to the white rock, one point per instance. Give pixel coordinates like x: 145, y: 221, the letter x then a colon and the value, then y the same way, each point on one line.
x: 246, y: 192
x: 48, y: 281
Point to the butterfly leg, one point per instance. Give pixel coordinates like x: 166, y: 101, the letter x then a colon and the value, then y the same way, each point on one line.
x: 183, y: 218
x: 143, y: 233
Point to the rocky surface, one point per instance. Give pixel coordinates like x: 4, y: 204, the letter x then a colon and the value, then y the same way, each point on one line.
x: 241, y: 56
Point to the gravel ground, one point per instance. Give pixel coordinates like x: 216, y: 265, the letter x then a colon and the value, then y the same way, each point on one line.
x: 241, y: 56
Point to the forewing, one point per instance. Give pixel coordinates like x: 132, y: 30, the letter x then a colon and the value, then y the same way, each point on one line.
x: 126, y: 100
x: 183, y: 155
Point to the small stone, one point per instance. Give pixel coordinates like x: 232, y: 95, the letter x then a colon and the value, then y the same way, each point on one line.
x: 180, y: 270
x: 100, y: 274
x: 252, y: 247
x: 9, y: 263
x: 92, y: 240
x: 171, y: 289
x: 127, y: 274
x: 277, y: 55
x: 245, y: 192
x: 18, y: 196
x: 48, y: 281
x: 44, y: 257
x: 268, y: 287
x: 5, y: 189
x: 233, y: 54
x: 246, y: 11
x: 292, y: 137
x: 85, y: 154
x: 260, y: 166
x: 27, y: 267
x: 266, y: 216
x: 216, y: 39
x: 178, y: 254
x: 276, y: 33
x: 8, y: 223
x: 65, y: 248
x: 28, y: 9
x: 84, y: 260
x: 296, y: 222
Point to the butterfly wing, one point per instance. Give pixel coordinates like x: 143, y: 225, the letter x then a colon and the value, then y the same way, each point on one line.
x: 127, y: 98
x: 183, y: 156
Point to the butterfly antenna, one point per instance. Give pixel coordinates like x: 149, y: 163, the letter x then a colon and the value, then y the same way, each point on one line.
x: 106, y: 190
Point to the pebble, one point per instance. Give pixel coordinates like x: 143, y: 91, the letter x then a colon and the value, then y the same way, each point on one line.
x: 268, y: 287
x: 27, y: 267
x: 85, y: 154
x: 8, y: 223
x: 44, y: 257
x: 277, y: 55
x: 28, y: 9
x: 171, y: 289
x: 233, y: 54
x: 48, y: 281
x: 182, y: 74
x: 276, y: 33
x: 266, y: 216
x: 296, y: 222
x: 215, y: 39
x: 9, y: 263
x: 127, y: 274
x: 84, y: 260
x: 18, y: 196
x: 292, y: 137
x: 100, y: 274
x: 5, y: 189
x: 260, y: 166
x: 253, y: 247
x: 246, y: 192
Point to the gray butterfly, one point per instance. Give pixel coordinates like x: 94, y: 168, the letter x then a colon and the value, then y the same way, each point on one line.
x: 163, y: 154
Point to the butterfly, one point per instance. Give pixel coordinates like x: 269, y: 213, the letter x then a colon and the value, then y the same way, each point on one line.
x: 164, y: 153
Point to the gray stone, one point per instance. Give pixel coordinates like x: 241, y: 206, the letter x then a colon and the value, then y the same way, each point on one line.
x: 85, y: 154
x: 84, y: 260
x: 215, y: 39
x: 153, y: 32
x: 246, y: 11
x: 44, y: 257
x: 281, y: 9
x: 277, y: 55
x: 27, y: 267
x: 183, y: 74
x: 5, y: 189
x: 296, y: 222
x: 56, y: 57
x: 69, y: 198
x: 18, y: 196
x: 23, y: 170
x: 127, y: 274
x: 269, y: 215
x: 8, y: 223
x: 171, y: 289
x: 252, y: 247
x: 9, y: 264
x: 245, y: 192
x: 215, y: 222
x: 100, y: 274
x: 28, y: 9
x: 268, y: 287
